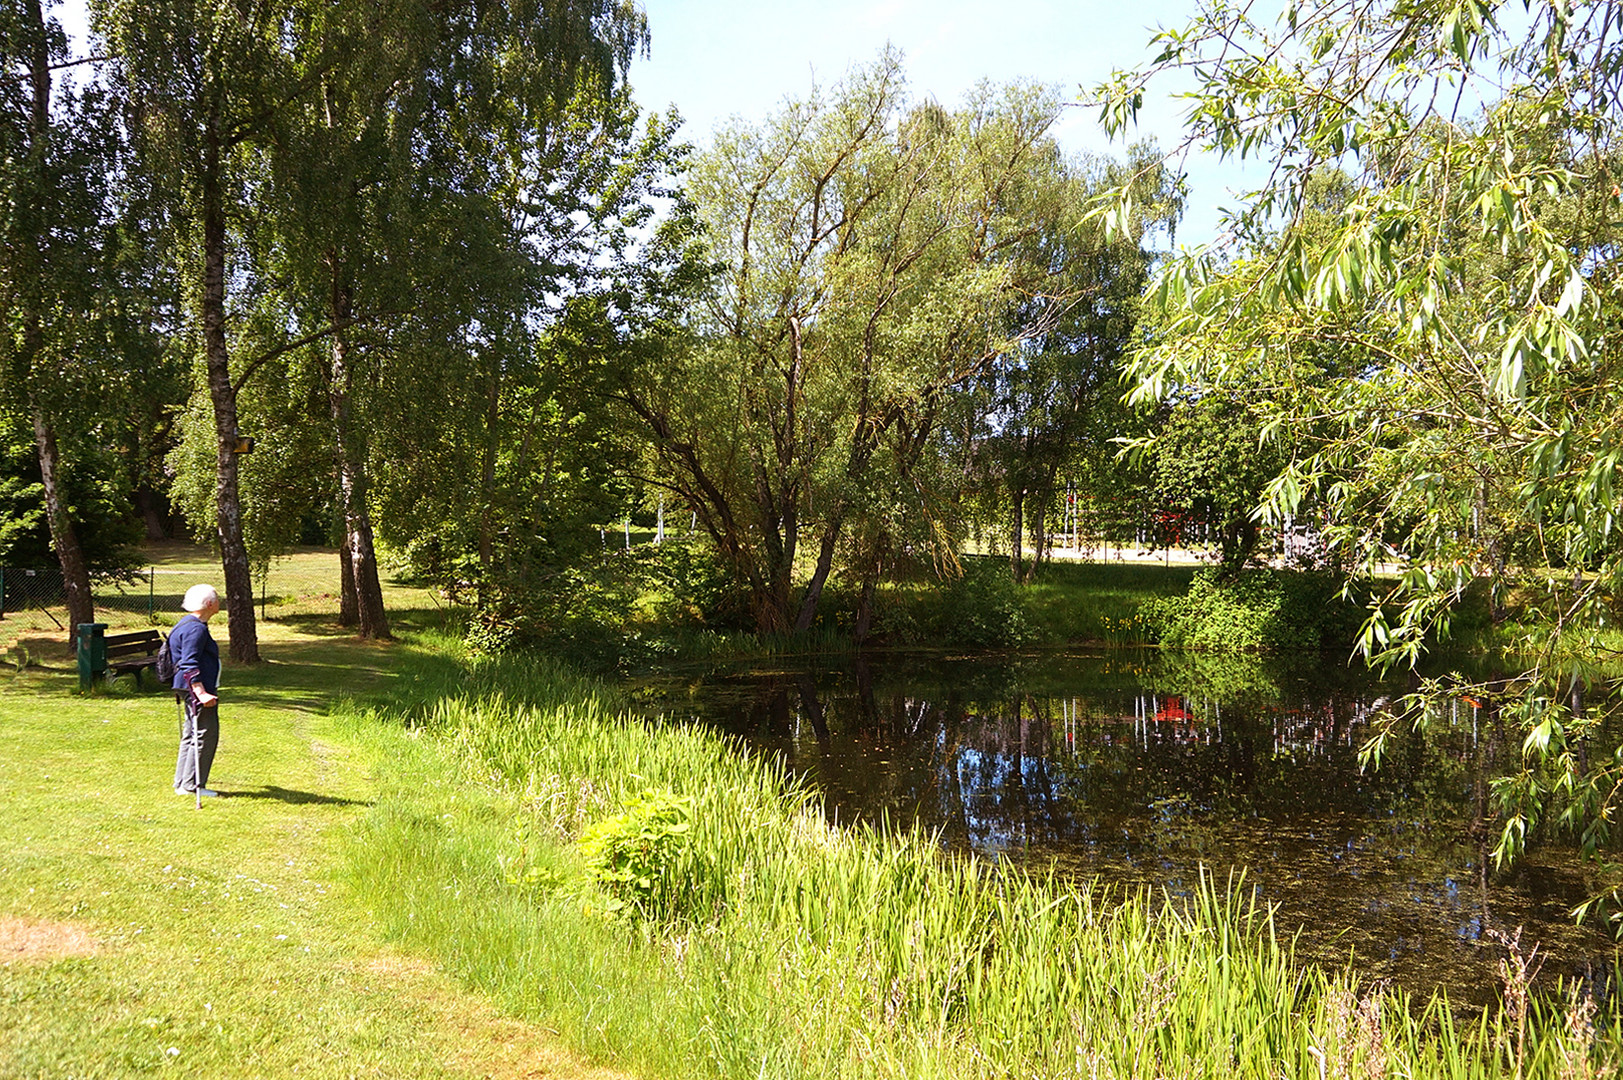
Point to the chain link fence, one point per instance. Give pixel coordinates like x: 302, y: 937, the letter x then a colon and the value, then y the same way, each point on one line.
x: 33, y: 605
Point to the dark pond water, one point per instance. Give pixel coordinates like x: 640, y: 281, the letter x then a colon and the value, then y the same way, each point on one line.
x: 1141, y: 769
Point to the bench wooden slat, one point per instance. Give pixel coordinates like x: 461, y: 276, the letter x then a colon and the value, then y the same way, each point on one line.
x: 135, y: 637
x: 132, y: 652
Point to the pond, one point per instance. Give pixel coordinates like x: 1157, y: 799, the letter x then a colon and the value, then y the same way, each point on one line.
x: 1142, y: 769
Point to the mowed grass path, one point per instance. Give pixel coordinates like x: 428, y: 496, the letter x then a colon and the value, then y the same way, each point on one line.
x: 140, y: 935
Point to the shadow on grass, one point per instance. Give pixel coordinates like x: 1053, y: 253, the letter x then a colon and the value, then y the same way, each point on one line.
x: 326, y: 624
x: 315, y: 624
x: 295, y: 798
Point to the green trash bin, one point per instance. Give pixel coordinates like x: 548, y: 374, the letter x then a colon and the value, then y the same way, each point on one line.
x: 92, y: 639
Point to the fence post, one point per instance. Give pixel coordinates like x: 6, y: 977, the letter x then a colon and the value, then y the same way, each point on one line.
x: 151, y: 574
x: 2, y: 592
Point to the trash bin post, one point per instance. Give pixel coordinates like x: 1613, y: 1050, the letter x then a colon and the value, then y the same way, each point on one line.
x: 92, y: 650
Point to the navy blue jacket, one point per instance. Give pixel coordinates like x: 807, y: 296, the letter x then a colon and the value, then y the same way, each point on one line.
x: 196, y: 656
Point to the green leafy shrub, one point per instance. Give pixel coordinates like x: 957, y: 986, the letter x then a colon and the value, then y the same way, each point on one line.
x: 1254, y: 611
x: 692, y: 586
x: 982, y: 609
x: 985, y: 608
x: 612, y: 611
x: 640, y: 856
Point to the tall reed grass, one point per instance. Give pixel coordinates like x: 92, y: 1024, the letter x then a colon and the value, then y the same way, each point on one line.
x: 787, y: 948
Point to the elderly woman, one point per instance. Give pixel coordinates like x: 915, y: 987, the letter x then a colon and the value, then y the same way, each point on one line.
x: 196, y: 685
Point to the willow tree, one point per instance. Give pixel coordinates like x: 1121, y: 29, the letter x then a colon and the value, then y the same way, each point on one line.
x: 872, y: 250
x: 1468, y: 290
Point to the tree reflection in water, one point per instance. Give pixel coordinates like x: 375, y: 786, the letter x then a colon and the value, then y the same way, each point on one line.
x: 1138, y: 770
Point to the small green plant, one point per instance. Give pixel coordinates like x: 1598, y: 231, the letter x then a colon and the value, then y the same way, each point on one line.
x: 1134, y: 629
x: 490, y: 635
x: 637, y: 857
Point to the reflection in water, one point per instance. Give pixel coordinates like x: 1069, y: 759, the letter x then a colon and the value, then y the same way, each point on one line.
x: 1139, y: 771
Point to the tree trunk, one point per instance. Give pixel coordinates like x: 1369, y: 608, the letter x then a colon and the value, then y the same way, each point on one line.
x: 75, y: 574
x: 864, y: 620
x: 770, y: 608
x: 374, y: 619
x: 348, y: 603
x: 1017, y: 532
x: 814, y: 587
x: 154, y: 518
x: 239, y: 580
x: 360, y: 552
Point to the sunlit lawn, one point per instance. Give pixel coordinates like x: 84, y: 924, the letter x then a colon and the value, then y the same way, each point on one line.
x: 138, y: 934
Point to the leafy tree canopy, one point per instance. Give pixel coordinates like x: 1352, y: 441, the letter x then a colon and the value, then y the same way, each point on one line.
x: 877, y: 256
x: 1438, y: 348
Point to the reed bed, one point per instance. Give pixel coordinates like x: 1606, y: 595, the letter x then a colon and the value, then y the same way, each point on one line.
x: 776, y: 946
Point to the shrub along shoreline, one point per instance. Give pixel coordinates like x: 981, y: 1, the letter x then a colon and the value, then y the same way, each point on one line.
x: 713, y: 924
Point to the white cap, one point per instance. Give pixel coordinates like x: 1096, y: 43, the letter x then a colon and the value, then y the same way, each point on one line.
x: 199, y: 597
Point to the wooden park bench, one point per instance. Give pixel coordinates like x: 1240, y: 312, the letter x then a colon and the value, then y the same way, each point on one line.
x: 132, y: 653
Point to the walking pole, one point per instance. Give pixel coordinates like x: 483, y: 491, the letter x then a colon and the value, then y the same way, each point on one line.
x: 197, y: 754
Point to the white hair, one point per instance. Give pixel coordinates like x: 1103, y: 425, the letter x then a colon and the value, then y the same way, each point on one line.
x: 199, y: 597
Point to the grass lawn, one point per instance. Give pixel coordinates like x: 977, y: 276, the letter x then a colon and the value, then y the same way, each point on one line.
x: 1098, y: 601
x: 139, y: 935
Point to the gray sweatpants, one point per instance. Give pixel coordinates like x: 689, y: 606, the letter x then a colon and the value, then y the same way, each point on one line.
x: 199, y: 736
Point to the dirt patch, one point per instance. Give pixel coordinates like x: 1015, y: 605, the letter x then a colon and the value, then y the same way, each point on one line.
x: 34, y: 939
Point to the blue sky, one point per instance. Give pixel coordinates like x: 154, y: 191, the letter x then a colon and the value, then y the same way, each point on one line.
x: 714, y: 59
x: 719, y: 58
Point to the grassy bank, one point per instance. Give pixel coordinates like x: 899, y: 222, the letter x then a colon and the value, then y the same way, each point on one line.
x: 762, y: 943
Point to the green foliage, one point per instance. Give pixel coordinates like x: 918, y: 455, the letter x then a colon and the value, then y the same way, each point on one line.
x: 92, y: 494
x: 982, y: 608
x: 579, y: 611
x: 611, y: 610
x: 22, y: 497
x: 640, y: 856
x: 689, y: 586
x: 1254, y: 611
x: 1432, y: 338
x: 1212, y: 468
x: 288, y: 477
x: 496, y: 465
